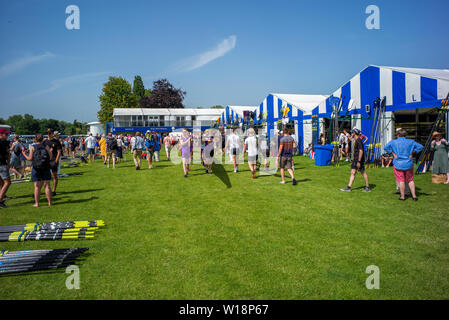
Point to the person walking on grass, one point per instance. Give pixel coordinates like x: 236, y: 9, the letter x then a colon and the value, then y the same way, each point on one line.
x: 15, y: 162
x: 185, y: 145
x: 167, y: 143
x: 208, y: 153
x: 137, y: 146
x: 440, y: 148
x: 5, y: 180
x: 149, y: 147
x: 41, y: 156
x: 285, y: 155
x: 111, y: 149
x: 56, y: 149
x: 251, y: 145
x: 90, y: 144
x: 120, y: 147
x: 233, y: 144
x: 358, y: 161
x: 403, y: 150
x: 102, y: 144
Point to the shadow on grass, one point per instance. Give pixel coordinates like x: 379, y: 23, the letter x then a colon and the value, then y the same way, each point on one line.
x: 220, y: 172
x: 79, y: 191
x: 75, y: 201
x: 371, y: 185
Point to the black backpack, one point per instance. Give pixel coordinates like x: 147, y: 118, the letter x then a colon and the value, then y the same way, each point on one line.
x: 41, y: 158
x: 112, y: 144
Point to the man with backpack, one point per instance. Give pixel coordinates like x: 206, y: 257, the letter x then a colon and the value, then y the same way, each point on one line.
x: 56, y: 149
x: 111, y: 149
x: 41, y: 157
x: 5, y: 180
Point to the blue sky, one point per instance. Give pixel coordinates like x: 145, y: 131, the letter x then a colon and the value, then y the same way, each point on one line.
x: 220, y: 52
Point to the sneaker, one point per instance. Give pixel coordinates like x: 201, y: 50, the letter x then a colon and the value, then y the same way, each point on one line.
x: 347, y: 189
x: 53, y: 194
x: 207, y: 171
x: 6, y: 197
x: 366, y: 189
x: 415, y: 199
x: 294, y: 182
x: 282, y: 182
x: 3, y: 205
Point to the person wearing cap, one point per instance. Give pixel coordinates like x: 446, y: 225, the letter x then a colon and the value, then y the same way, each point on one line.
x: 56, y: 149
x: 403, y: 151
x: 358, y: 162
x: 5, y: 180
x: 440, y: 148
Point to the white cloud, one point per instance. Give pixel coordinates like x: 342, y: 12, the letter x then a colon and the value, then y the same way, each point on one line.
x: 204, y: 58
x: 58, y: 83
x: 22, y: 63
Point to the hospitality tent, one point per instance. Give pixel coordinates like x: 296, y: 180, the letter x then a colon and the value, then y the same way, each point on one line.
x: 299, y: 113
x: 410, y: 89
x: 231, y: 114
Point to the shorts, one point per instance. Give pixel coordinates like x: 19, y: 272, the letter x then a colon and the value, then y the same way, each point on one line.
x: 40, y: 175
x: 15, y: 162
x: 54, y: 166
x: 4, y: 172
x: 110, y: 154
x: 91, y: 151
x: 235, y: 151
x: 252, y: 159
x: 403, y: 175
x: 286, y: 163
x: 354, y: 166
x: 72, y: 147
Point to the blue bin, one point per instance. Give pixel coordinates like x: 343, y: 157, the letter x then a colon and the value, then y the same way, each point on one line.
x: 323, y: 155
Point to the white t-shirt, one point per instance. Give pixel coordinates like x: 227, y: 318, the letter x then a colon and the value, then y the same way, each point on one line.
x: 90, y: 142
x: 251, y: 142
x: 119, y: 142
x: 234, y: 141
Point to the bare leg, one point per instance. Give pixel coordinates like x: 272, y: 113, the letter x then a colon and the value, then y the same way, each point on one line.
x: 411, y: 185
x: 352, y: 177
x: 290, y: 171
x: 365, y: 176
x: 447, y: 180
x: 282, y: 175
x: 4, y: 184
x: 55, y: 180
x: 37, y: 192
x: 402, y: 189
x: 47, y: 192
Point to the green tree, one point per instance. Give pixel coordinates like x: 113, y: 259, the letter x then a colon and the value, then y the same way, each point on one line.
x: 138, y: 88
x: 117, y: 93
x: 217, y: 107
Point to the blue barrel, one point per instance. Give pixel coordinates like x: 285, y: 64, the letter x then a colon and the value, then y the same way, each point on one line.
x: 323, y: 155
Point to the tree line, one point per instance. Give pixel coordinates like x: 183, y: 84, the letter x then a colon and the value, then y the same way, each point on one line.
x: 117, y: 92
x: 27, y: 124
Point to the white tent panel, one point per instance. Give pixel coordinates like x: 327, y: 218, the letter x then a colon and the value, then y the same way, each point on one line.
x: 412, y: 88
x: 355, y: 92
x: 275, y: 107
x: 307, y: 133
x: 443, y: 88
x: 322, y: 107
x: 442, y: 74
x: 386, y: 85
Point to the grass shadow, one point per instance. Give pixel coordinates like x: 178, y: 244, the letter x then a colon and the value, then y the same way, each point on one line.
x: 220, y: 172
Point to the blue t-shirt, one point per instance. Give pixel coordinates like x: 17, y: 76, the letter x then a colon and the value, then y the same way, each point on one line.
x: 403, y: 148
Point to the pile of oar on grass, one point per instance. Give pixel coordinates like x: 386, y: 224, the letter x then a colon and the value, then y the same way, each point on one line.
x: 70, y: 230
x: 35, y: 260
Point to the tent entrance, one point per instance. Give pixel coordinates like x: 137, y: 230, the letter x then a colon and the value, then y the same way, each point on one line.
x: 343, y: 123
x: 417, y: 122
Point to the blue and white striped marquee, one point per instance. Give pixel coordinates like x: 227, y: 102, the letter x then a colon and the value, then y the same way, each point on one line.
x: 300, y: 111
x: 404, y: 88
x: 235, y: 113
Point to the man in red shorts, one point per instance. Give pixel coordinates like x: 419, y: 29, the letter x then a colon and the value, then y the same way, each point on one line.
x: 403, y: 150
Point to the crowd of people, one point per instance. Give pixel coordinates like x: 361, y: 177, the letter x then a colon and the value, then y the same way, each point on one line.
x: 44, y: 155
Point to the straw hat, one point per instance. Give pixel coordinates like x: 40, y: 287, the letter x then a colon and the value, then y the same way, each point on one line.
x: 436, y: 133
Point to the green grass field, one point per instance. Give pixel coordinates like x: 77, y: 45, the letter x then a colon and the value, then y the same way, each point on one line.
x: 225, y: 236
